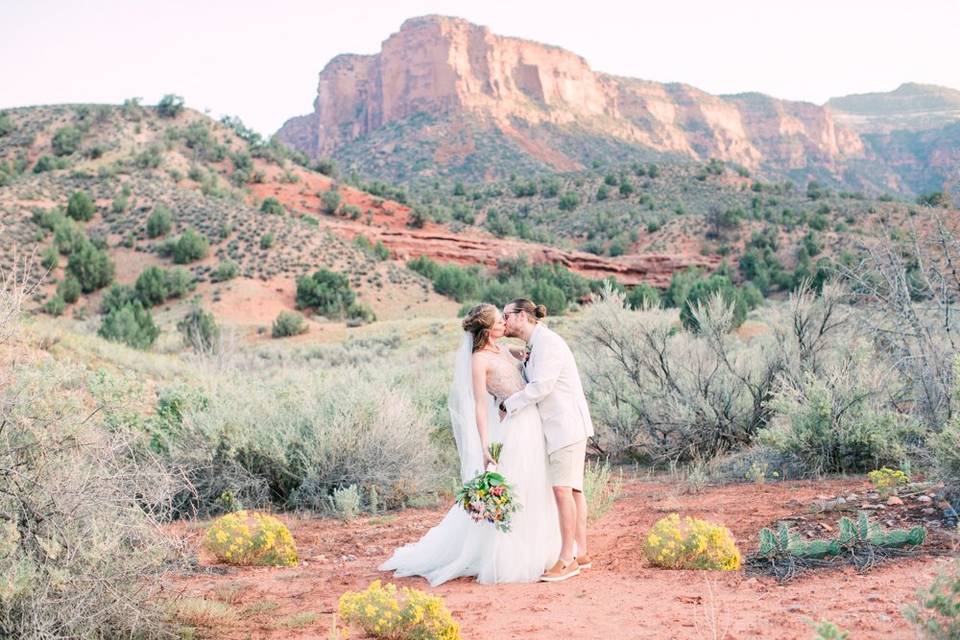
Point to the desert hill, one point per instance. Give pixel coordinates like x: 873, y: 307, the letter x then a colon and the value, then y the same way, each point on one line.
x: 268, y: 218
x: 910, y: 107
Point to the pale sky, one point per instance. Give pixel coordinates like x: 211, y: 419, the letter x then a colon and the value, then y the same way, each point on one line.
x: 259, y: 60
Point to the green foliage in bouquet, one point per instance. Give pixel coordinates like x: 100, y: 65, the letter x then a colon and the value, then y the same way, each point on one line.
x: 488, y: 497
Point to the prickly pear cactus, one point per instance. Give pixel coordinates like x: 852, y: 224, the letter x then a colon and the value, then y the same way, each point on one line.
x: 816, y: 549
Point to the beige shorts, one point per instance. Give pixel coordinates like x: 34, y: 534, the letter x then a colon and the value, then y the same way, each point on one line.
x: 566, y: 465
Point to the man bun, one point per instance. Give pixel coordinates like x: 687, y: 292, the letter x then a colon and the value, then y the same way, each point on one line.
x: 533, y: 311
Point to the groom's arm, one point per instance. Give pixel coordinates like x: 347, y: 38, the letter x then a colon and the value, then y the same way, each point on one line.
x: 543, y: 377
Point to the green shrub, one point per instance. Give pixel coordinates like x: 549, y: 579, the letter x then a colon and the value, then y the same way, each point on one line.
x: 569, y: 201
x: 326, y: 166
x: 601, y: 488
x: 69, y: 289
x: 66, y: 140
x: 160, y: 221
x: 327, y: 292
x: 119, y: 204
x: 170, y: 106
x: 330, y: 201
x: 55, y: 306
x: 200, y: 330
x: 50, y: 258
x: 131, y: 324
x: 360, y: 313
x: 80, y: 207
x: 266, y: 240
x: 91, y: 267
x: 179, y: 282
x: 643, y: 296
x: 946, y: 444
x: 82, y: 542
x: 151, y: 286
x: 680, y: 284
x: 226, y: 270
x: 149, y: 158
x: 459, y: 284
x: 48, y: 163
x: 838, y: 425
x: 700, y: 293
x: 935, y: 199
x: 937, y: 612
x: 524, y: 189
x: 550, y: 296
x: 190, y: 247
x: 271, y: 205
x: 288, y: 323
x: 117, y: 296
x: 6, y: 124
x: 827, y: 630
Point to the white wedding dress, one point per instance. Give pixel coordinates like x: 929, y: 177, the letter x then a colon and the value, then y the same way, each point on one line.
x: 458, y: 546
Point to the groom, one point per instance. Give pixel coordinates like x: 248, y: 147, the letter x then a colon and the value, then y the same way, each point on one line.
x: 553, y: 384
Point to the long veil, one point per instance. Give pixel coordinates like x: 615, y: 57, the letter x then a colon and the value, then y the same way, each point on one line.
x: 463, y: 412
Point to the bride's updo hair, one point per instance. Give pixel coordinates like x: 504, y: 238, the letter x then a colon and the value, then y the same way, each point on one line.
x: 478, y: 321
x: 533, y: 311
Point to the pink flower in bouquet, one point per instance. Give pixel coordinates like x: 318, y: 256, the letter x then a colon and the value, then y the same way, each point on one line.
x: 497, y: 491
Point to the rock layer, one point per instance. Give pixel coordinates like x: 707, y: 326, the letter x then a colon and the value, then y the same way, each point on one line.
x: 441, y: 66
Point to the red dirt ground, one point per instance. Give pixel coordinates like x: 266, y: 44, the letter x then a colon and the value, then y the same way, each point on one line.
x: 621, y: 597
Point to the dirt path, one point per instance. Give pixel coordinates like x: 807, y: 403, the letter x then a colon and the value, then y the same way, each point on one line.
x: 621, y: 597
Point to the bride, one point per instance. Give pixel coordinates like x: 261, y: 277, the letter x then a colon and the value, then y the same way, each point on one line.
x: 486, y: 373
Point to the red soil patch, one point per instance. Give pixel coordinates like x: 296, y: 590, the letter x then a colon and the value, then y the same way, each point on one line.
x: 621, y: 597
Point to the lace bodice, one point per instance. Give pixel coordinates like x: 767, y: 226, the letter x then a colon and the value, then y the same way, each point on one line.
x: 503, y: 376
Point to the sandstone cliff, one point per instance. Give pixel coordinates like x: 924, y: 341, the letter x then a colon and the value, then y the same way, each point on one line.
x: 444, y: 96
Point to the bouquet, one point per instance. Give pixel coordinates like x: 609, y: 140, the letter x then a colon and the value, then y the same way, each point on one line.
x: 487, y: 496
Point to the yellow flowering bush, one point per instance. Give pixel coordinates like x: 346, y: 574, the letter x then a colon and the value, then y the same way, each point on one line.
x: 250, y: 538
x: 887, y: 481
x: 691, y: 543
x: 382, y: 612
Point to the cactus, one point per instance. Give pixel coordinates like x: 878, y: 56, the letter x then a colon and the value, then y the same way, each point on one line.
x: 768, y: 543
x: 783, y: 543
x: 816, y: 549
x: 860, y: 542
x: 848, y: 532
x: 864, y: 533
x: 863, y: 525
x: 897, y: 538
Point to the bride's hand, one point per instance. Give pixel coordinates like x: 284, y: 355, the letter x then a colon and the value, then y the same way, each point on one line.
x: 487, y: 458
